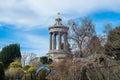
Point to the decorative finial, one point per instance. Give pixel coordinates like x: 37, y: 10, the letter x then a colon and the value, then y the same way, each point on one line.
x: 58, y: 19
x: 58, y: 14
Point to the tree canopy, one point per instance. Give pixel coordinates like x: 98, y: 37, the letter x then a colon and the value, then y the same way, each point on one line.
x: 9, y: 54
x: 80, y: 34
x: 112, y: 46
x: 2, y: 74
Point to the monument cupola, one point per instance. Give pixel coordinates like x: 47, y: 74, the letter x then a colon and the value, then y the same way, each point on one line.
x: 58, y: 39
x: 58, y: 20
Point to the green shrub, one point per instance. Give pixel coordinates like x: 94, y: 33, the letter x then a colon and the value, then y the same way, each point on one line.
x: 26, y: 67
x: 16, y: 73
x: 15, y: 70
x: 32, y: 69
x: 16, y: 64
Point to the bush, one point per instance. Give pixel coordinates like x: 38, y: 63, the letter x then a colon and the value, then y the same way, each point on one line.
x: 14, y: 71
x: 26, y: 67
x: 26, y: 76
x: 2, y: 75
x: 32, y: 69
x: 15, y: 64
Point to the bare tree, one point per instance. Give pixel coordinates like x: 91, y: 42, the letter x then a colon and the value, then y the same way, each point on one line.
x: 94, y: 46
x: 27, y: 57
x: 80, y: 34
x: 24, y: 57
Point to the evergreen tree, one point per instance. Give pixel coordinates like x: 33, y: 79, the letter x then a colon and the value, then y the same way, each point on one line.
x: 2, y: 74
x: 9, y: 54
x: 112, y: 46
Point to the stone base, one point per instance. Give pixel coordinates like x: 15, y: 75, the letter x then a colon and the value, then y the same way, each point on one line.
x: 56, y: 54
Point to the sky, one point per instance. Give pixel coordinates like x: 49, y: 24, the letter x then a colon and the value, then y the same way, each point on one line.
x: 26, y: 22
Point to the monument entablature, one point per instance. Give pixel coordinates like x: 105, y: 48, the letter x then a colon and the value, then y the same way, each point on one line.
x: 58, y: 29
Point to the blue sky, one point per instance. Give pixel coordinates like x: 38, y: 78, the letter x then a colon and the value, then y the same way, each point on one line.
x: 26, y: 21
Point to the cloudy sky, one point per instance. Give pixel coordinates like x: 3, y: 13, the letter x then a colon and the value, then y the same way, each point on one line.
x: 26, y: 21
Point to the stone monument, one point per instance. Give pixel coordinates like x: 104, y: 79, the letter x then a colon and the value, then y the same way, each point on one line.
x: 58, y: 40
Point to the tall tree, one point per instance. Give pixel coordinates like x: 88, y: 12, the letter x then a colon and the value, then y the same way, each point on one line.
x: 94, y: 46
x: 9, y: 54
x: 2, y: 74
x: 80, y: 34
x: 112, y: 46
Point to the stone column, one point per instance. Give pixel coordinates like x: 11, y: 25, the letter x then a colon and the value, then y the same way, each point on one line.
x: 54, y: 41
x: 65, y: 41
x: 50, y: 41
x: 59, y: 40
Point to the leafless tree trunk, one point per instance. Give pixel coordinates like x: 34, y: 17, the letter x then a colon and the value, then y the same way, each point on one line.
x: 80, y: 34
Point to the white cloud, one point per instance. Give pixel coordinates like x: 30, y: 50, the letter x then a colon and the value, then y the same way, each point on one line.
x: 29, y: 13
x: 37, y: 44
